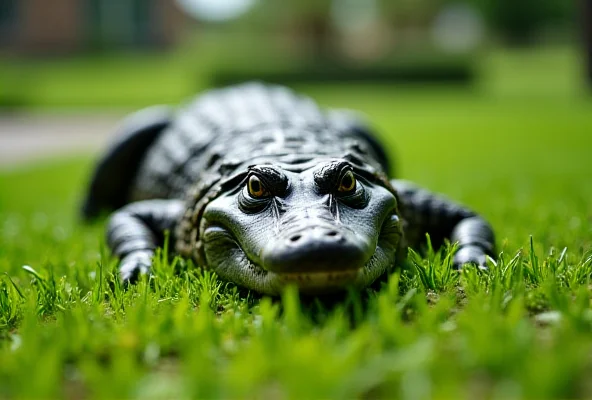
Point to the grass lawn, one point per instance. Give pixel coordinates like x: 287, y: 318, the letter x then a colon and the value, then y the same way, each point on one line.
x: 520, y: 156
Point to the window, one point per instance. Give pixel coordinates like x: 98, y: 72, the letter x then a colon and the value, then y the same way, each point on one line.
x: 120, y: 23
x: 8, y: 21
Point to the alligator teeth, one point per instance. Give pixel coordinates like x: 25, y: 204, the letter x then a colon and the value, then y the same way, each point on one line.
x: 319, y: 277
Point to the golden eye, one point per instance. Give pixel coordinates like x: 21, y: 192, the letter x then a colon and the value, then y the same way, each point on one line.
x: 256, y: 188
x: 348, y: 182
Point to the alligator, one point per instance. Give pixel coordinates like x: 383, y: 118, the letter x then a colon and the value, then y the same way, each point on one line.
x: 267, y: 189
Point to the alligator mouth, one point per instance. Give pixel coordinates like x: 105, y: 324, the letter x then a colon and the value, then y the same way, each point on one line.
x: 309, y: 279
x: 334, y: 277
x: 307, y: 282
x: 258, y: 278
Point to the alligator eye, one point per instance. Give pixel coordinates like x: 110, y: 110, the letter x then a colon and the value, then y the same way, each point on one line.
x: 348, y: 182
x: 256, y: 188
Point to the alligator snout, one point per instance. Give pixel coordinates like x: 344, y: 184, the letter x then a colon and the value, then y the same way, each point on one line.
x: 315, y: 249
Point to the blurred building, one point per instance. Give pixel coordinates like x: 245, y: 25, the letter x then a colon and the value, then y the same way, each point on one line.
x: 64, y: 26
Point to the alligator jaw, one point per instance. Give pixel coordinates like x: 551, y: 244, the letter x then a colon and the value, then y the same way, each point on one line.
x: 321, y: 282
x: 316, y: 282
x: 232, y: 263
x: 320, y: 278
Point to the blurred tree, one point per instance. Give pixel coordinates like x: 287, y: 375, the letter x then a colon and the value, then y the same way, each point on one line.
x: 519, y: 21
x: 309, y: 18
x: 587, y: 28
x: 410, y: 13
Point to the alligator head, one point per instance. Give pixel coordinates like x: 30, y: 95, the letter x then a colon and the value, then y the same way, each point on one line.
x: 322, y: 227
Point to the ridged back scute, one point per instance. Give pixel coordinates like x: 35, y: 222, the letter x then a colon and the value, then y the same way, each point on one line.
x: 240, y: 124
x: 248, y: 106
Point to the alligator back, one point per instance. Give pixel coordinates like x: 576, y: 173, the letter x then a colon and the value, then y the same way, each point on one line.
x: 246, y: 124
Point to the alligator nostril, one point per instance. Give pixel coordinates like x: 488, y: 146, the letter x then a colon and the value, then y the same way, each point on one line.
x: 332, y: 234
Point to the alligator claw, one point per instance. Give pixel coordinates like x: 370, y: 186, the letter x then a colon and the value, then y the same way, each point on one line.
x: 135, y: 264
x: 470, y: 255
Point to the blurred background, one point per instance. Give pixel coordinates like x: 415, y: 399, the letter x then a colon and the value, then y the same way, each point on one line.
x: 118, y: 55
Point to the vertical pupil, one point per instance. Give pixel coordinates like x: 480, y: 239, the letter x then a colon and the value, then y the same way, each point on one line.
x: 347, y: 181
x: 255, y: 185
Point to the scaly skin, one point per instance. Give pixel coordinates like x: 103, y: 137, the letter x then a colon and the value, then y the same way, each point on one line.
x: 267, y: 189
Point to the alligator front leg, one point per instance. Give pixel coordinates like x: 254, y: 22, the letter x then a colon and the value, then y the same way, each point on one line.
x: 136, y: 230
x: 426, y: 212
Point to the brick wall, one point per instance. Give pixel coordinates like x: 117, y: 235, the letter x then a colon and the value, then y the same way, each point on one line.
x: 54, y: 27
x: 171, y: 22
x: 50, y: 26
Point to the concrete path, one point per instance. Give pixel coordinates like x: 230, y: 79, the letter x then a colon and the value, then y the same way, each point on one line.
x: 25, y: 138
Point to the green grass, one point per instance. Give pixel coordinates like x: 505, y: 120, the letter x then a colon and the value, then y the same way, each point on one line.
x: 522, y: 330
